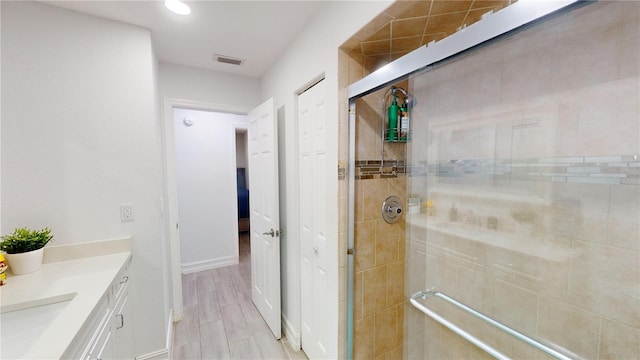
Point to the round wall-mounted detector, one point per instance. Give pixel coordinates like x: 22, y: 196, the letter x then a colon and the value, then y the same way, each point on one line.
x: 187, y: 121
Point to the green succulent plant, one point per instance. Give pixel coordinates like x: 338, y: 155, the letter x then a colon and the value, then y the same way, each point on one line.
x: 24, y: 240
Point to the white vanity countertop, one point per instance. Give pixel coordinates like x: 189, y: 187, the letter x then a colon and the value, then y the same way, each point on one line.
x: 84, y: 280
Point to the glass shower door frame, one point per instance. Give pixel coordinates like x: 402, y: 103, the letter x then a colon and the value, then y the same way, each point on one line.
x: 511, y: 18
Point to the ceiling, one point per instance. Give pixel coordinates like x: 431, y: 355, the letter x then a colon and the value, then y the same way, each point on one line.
x: 255, y: 31
x: 259, y: 31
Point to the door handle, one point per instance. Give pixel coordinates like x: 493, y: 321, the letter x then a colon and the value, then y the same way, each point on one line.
x: 272, y: 233
x: 121, y: 321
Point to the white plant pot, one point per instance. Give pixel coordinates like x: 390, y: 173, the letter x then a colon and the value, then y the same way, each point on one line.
x: 25, y: 263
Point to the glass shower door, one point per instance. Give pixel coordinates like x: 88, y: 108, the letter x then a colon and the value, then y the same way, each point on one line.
x: 529, y: 150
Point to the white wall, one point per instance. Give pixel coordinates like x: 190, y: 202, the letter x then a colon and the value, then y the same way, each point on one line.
x: 79, y: 138
x: 314, y: 52
x: 181, y: 82
x: 206, y: 176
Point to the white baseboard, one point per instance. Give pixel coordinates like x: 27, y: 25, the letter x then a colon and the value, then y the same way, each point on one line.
x: 188, y: 268
x: 156, y: 355
x: 291, y: 334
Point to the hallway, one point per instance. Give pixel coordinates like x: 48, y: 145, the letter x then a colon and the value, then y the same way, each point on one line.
x: 220, y: 321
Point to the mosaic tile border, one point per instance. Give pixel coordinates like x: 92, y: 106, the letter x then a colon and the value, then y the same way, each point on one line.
x: 605, y: 170
x: 375, y: 169
x: 609, y: 170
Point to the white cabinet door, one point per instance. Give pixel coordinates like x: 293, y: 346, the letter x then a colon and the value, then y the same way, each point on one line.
x: 123, y: 328
x: 264, y: 216
x: 102, y: 346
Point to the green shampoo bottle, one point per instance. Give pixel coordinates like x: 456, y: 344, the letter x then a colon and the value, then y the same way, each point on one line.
x: 393, y: 120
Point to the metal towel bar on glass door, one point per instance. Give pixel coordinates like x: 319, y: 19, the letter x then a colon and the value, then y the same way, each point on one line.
x: 425, y: 295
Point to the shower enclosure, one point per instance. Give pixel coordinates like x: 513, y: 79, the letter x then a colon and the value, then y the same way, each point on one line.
x: 527, y: 148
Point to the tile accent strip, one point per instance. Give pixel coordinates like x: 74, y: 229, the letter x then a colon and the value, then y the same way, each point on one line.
x: 375, y: 169
x: 608, y: 170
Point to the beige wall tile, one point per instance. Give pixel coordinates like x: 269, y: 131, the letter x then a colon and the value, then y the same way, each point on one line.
x: 606, y: 281
x: 343, y: 69
x: 624, y: 217
x: 609, y: 118
x: 630, y: 40
x: 402, y: 238
x: 394, y: 354
x: 568, y: 115
x: 574, y: 63
x: 363, y: 342
x: 515, y: 306
x: 406, y: 27
x: 395, y: 289
x: 520, y: 350
x: 592, y: 210
x: 545, y: 277
x: 375, y: 191
x: 365, y: 245
x: 619, y: 341
x: 415, y: 278
x: 526, y: 69
x: 400, y: 323
x: 570, y: 327
x: 386, y: 328
x: 415, y: 329
x: 386, y: 242
x: 356, y: 71
x: 374, y: 290
x: 368, y: 127
x: 342, y: 249
x: 398, y: 186
x: 454, y: 346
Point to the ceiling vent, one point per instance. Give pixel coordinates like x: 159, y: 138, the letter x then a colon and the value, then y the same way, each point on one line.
x: 227, y: 59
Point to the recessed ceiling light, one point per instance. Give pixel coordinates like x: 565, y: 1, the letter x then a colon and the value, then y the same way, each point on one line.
x: 177, y: 7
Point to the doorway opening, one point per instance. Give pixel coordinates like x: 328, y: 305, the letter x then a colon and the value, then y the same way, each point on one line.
x: 260, y: 285
x: 206, y: 174
x: 171, y: 207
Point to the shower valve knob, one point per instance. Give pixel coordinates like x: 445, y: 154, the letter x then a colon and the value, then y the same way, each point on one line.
x: 391, y: 209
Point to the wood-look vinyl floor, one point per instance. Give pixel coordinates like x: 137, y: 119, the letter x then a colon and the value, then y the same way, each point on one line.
x: 220, y: 320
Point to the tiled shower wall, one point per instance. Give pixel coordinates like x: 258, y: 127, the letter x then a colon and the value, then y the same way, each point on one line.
x: 379, y: 247
x: 529, y: 148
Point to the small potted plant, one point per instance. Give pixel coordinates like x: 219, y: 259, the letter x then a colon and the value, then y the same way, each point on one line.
x: 24, y: 249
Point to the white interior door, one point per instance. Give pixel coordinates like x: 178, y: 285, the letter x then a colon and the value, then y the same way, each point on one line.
x: 315, y: 290
x: 264, y: 218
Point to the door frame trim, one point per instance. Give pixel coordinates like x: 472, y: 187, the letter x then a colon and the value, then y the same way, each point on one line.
x: 170, y: 205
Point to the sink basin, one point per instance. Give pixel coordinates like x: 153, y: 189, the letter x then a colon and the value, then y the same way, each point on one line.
x: 21, y: 328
